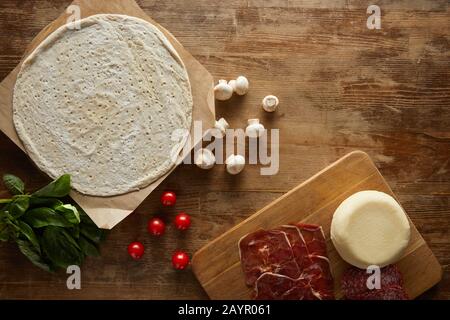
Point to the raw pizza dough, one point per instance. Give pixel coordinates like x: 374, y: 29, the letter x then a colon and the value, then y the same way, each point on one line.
x: 101, y: 103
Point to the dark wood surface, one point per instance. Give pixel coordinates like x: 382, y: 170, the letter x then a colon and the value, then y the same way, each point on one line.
x: 342, y: 87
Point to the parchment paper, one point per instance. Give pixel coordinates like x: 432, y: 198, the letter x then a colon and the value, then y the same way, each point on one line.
x: 107, y: 212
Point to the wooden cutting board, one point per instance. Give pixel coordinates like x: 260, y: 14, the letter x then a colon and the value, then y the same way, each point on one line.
x: 217, y: 265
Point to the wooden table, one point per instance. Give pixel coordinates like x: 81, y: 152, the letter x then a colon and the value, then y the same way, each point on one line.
x: 342, y: 87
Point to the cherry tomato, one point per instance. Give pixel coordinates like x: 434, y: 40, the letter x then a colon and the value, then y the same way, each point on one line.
x: 168, y: 198
x: 136, y: 250
x: 180, y: 260
x: 156, y: 226
x: 182, y: 221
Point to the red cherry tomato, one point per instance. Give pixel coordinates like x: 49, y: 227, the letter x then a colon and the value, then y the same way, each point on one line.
x: 180, y: 260
x: 156, y: 227
x: 182, y: 221
x: 136, y: 250
x: 168, y: 198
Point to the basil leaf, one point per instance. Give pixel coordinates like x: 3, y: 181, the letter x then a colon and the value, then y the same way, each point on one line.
x: 88, y: 248
x: 84, y: 217
x: 75, y: 231
x: 19, y: 206
x: 29, y: 234
x: 14, y: 184
x: 92, y: 232
x: 43, y: 217
x: 4, y: 211
x: 69, y: 212
x: 59, y: 247
x: 45, y: 202
x: 30, y: 252
x: 6, y: 217
x: 56, y: 189
x: 4, y: 232
x: 89, y: 229
x: 70, y: 239
x: 4, y: 236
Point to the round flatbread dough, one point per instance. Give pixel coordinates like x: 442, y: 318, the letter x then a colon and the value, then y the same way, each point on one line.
x: 102, y: 103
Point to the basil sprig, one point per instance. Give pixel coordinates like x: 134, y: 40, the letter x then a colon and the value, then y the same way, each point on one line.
x: 50, y: 232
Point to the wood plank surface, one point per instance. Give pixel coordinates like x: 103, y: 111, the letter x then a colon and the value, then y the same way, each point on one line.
x: 217, y: 265
x: 342, y: 87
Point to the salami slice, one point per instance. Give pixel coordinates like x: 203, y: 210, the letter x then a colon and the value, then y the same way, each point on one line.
x: 354, y: 284
x: 390, y: 293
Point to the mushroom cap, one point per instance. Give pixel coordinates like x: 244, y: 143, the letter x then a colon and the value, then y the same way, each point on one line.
x: 241, y: 85
x: 221, y: 125
x: 232, y: 83
x: 270, y: 103
x: 254, y: 129
x: 235, y: 164
x: 223, y: 91
x: 205, y: 159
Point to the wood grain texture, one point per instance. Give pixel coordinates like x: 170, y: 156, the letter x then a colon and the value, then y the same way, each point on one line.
x: 314, y: 201
x: 342, y: 87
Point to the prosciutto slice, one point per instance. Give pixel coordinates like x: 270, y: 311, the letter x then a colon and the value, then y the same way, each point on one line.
x: 298, y: 245
x: 267, y: 251
x: 272, y: 286
x: 299, y: 271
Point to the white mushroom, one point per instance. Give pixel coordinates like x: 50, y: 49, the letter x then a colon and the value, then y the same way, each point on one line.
x: 205, y: 159
x: 232, y: 83
x: 270, y: 103
x: 240, y: 85
x: 254, y: 129
x: 223, y: 91
x: 222, y: 126
x: 235, y: 164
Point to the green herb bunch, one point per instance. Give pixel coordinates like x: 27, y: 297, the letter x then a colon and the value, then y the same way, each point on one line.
x: 50, y: 233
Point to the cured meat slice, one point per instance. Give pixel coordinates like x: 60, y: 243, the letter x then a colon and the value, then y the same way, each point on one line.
x: 319, y: 277
x: 267, y: 251
x: 354, y: 280
x: 390, y: 293
x: 309, y: 248
x: 354, y: 285
x: 314, y: 238
x: 307, y: 241
x: 298, y: 245
x: 271, y: 286
x: 286, y: 263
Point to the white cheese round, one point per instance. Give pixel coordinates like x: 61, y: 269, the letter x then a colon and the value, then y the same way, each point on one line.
x: 370, y: 228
